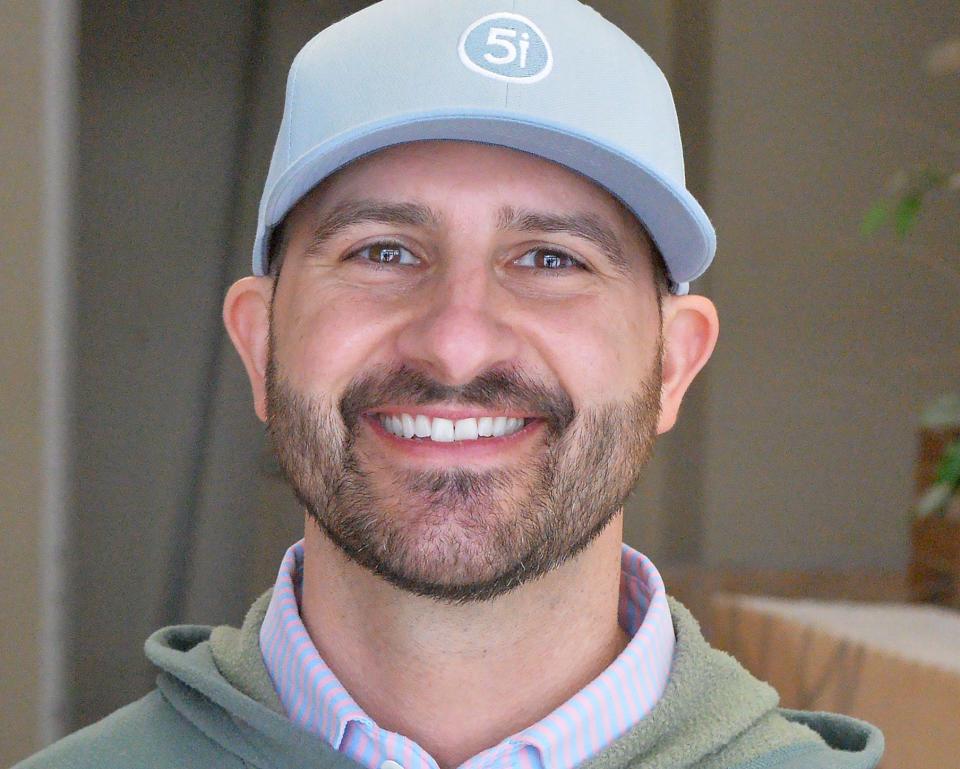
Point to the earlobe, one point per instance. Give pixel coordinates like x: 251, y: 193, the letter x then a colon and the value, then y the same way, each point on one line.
x: 690, y: 330
x: 246, y: 315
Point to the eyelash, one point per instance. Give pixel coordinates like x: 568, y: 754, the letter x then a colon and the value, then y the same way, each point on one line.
x: 577, y: 264
x: 383, y: 243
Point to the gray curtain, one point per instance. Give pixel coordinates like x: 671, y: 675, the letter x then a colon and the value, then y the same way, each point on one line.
x: 178, y: 109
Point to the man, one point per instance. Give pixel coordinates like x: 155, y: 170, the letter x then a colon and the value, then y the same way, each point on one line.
x: 469, y: 320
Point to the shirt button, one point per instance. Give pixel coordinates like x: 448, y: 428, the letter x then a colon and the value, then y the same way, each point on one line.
x: 390, y: 764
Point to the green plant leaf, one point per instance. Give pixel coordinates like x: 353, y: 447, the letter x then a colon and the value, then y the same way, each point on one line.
x: 948, y: 470
x: 905, y: 214
x: 877, y: 215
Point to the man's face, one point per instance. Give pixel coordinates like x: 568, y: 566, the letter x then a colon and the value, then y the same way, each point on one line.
x: 434, y: 293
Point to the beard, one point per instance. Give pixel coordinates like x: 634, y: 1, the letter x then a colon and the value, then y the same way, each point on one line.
x: 460, y: 534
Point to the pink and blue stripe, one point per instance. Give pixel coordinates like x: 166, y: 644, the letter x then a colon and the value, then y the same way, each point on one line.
x: 617, y: 699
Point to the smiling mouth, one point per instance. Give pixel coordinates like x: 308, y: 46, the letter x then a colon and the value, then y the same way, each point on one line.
x: 419, y: 427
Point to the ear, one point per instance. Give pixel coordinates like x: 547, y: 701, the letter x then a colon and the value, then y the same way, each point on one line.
x: 246, y: 314
x: 690, y: 329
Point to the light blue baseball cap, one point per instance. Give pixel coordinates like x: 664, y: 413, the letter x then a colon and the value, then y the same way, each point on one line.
x: 549, y: 77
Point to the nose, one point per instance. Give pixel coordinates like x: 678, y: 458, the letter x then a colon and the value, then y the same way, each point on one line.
x: 462, y: 328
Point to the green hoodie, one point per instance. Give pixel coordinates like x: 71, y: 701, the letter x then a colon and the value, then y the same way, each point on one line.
x: 215, y: 706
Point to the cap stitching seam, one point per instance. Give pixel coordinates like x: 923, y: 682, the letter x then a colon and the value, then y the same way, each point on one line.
x: 506, y: 91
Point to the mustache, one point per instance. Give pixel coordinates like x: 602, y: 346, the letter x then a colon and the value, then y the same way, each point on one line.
x: 506, y: 389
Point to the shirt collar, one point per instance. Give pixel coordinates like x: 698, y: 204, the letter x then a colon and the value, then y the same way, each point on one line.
x: 603, y: 710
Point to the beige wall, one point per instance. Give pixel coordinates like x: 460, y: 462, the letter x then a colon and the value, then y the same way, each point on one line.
x: 21, y: 313
x: 829, y: 344
x: 35, y: 109
x: 795, y: 447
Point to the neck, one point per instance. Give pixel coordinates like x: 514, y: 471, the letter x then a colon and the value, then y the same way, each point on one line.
x: 459, y: 678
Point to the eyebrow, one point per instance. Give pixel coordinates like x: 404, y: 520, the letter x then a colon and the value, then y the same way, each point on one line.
x: 350, y: 213
x: 585, y: 226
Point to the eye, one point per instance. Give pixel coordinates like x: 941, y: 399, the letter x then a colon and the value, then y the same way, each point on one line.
x: 550, y: 259
x: 384, y: 253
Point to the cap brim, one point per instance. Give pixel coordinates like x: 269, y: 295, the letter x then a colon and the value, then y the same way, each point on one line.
x: 675, y: 220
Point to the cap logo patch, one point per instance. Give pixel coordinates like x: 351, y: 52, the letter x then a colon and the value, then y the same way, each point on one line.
x: 506, y: 46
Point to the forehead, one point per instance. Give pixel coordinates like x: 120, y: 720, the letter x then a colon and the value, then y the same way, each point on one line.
x: 467, y: 174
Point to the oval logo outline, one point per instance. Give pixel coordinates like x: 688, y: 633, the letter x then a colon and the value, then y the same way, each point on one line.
x: 502, y: 48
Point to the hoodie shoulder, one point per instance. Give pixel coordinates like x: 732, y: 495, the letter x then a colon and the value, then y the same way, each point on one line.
x: 798, y: 739
x: 715, y: 715
x: 146, y: 734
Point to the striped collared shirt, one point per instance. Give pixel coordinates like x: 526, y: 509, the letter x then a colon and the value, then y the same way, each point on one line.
x: 603, y: 710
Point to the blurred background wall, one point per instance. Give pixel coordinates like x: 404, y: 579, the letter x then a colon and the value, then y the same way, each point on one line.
x: 37, y: 98
x: 794, y: 449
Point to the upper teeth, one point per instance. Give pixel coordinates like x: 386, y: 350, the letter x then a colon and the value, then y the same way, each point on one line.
x: 448, y: 430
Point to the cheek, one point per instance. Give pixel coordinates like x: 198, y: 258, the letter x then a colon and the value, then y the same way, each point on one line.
x: 599, y: 348
x: 329, y: 339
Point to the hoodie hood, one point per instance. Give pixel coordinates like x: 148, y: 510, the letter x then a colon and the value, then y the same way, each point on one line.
x: 713, y: 712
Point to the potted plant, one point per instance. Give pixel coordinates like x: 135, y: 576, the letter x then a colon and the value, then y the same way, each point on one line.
x: 934, y: 571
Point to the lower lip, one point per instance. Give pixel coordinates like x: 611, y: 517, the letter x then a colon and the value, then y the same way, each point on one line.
x: 456, y: 450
